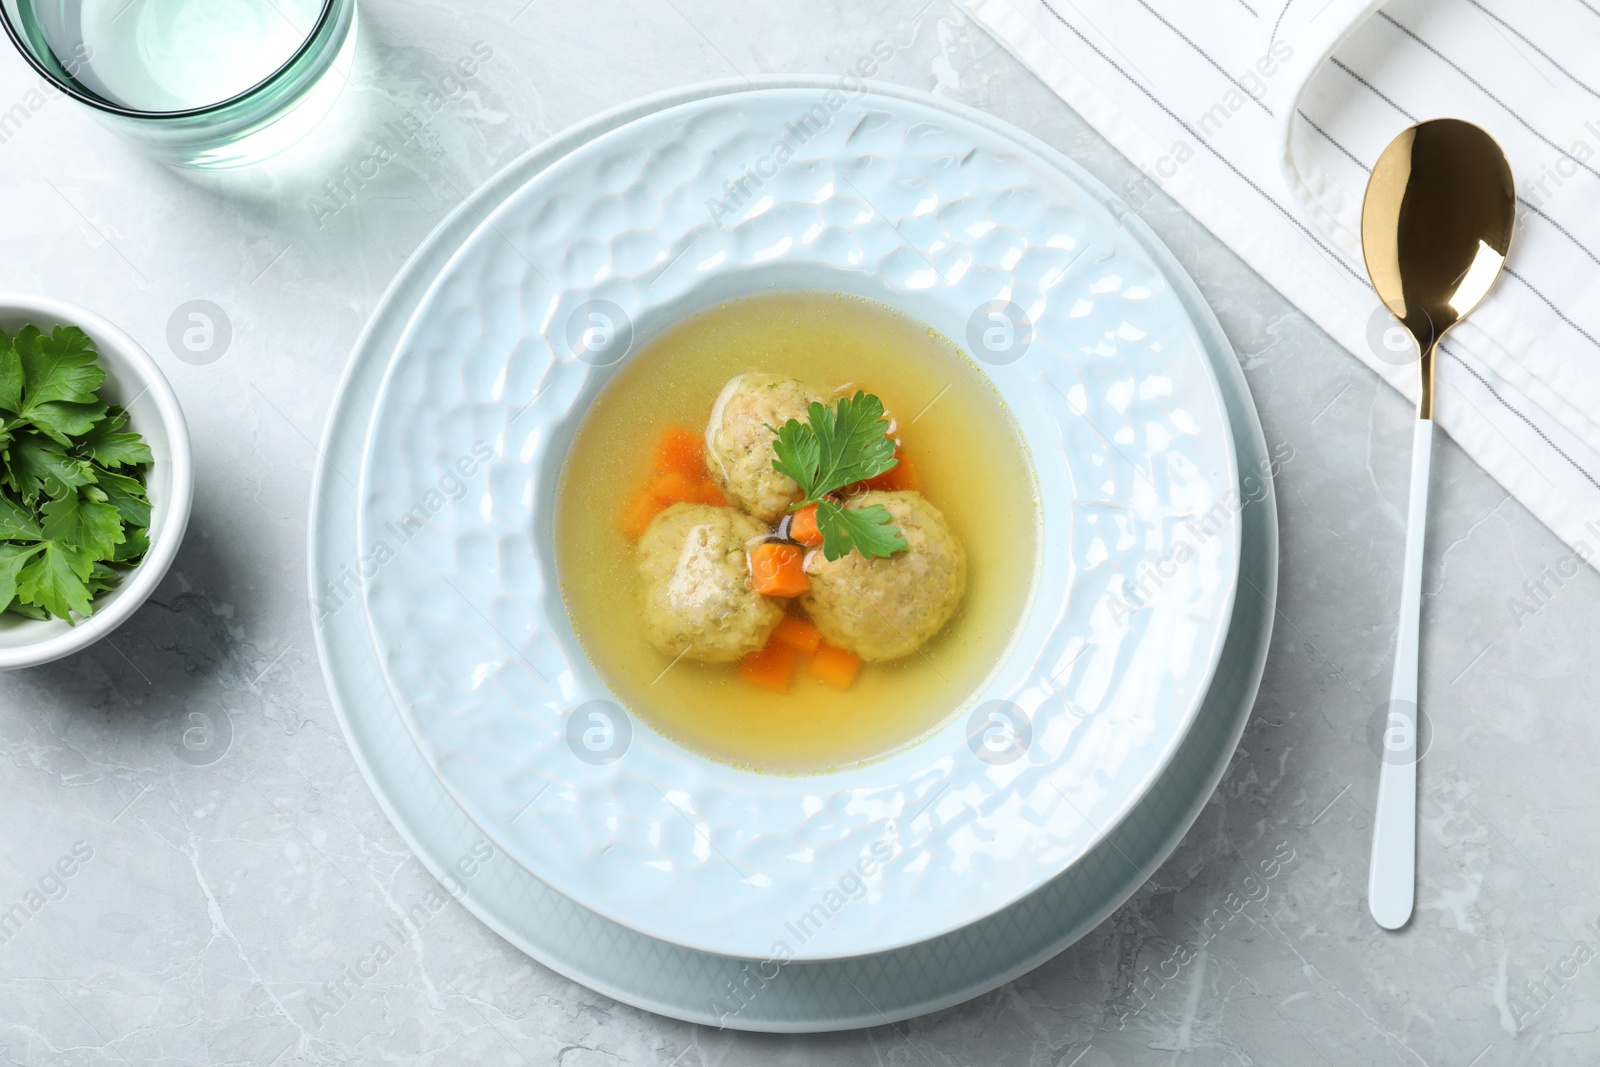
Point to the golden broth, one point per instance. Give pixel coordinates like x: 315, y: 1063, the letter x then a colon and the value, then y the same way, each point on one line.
x: 954, y: 428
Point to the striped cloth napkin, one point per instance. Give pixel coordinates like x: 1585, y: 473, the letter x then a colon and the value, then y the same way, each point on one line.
x: 1263, y: 117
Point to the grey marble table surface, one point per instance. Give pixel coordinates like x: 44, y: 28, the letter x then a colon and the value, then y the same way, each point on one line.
x: 216, y: 889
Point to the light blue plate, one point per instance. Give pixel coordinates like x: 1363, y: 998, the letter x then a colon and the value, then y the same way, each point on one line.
x: 743, y: 993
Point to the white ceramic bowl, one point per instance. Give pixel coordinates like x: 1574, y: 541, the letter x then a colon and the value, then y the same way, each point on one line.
x: 134, y: 381
x: 1138, y: 505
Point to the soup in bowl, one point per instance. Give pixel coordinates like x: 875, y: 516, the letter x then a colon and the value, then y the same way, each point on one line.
x: 796, y: 531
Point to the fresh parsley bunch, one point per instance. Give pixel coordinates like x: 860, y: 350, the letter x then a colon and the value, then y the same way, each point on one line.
x: 836, y: 447
x: 73, y: 507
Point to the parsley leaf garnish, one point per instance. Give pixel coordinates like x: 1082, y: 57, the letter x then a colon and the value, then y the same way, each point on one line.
x: 836, y: 447
x: 867, y: 530
x: 69, y: 522
x: 840, y: 446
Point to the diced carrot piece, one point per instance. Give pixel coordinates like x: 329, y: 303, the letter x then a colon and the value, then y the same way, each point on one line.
x: 637, y: 515
x: 709, y: 493
x: 668, y: 487
x: 798, y: 634
x: 835, y: 665
x: 771, y: 668
x: 903, y: 475
x: 681, y: 451
x: 777, y: 568
x: 803, y: 526
x: 909, y: 478
x: 674, y: 487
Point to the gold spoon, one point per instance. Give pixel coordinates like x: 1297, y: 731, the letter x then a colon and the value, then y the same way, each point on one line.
x: 1435, y: 227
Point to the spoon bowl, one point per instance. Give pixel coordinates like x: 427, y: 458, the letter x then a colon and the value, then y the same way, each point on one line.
x: 1435, y: 229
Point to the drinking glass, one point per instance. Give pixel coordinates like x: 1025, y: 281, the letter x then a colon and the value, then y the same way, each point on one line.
x: 197, y: 83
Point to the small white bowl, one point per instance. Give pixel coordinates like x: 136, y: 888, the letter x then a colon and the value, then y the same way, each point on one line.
x: 135, y: 382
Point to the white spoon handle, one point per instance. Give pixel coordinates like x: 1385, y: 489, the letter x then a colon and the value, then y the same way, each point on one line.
x: 1391, y: 888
